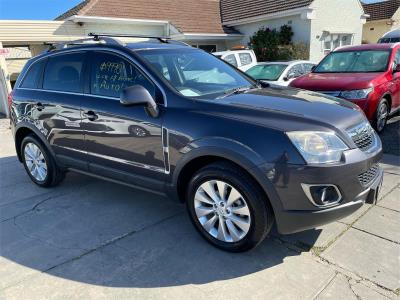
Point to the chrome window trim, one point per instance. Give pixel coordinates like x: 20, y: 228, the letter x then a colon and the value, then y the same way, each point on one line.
x: 129, y: 58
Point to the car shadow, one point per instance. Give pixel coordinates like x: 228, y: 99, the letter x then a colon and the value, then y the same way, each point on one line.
x: 101, y: 233
x: 391, y: 136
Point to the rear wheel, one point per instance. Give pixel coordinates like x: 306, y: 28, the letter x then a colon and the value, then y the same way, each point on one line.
x: 38, y: 162
x: 228, y: 208
x: 381, y: 115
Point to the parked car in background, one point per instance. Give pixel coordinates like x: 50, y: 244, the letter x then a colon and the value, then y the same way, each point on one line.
x: 392, y: 36
x: 241, y: 59
x: 280, y: 73
x: 367, y: 75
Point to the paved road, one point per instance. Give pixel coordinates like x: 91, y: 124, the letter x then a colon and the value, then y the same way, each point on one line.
x: 93, y: 239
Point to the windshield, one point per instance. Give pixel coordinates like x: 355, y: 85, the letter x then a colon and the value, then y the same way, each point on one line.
x: 354, y: 61
x: 270, y: 72
x: 196, y: 73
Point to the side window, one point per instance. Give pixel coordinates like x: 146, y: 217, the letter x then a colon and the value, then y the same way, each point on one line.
x: 32, y: 77
x: 110, y: 74
x: 397, y: 57
x: 307, y: 68
x: 231, y: 59
x: 295, y: 71
x: 245, y: 59
x: 64, y: 73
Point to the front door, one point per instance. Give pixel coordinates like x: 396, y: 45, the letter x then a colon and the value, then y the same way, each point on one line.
x: 122, y: 142
x: 395, y: 85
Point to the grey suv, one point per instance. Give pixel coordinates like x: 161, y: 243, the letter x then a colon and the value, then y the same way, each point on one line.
x: 170, y: 119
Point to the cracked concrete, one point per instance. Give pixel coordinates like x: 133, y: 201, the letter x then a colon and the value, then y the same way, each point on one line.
x: 93, y: 239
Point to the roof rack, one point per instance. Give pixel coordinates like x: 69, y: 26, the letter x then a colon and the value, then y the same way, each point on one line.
x: 108, y: 38
x: 98, y: 36
x: 80, y: 42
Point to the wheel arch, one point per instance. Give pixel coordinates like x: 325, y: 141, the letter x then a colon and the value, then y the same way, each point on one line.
x: 200, y: 157
x: 21, y: 131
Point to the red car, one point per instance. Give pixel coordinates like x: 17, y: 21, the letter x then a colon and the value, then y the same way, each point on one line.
x: 367, y: 75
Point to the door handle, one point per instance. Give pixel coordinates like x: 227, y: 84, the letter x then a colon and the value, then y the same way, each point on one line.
x: 90, y: 115
x: 39, y: 106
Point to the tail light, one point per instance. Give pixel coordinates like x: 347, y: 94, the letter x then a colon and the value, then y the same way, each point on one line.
x: 10, y: 99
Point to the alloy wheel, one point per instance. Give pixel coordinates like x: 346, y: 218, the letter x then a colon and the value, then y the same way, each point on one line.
x: 35, y: 161
x: 381, y: 117
x: 222, y: 211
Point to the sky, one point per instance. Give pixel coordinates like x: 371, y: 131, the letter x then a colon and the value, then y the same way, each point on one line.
x: 34, y: 9
x: 42, y: 9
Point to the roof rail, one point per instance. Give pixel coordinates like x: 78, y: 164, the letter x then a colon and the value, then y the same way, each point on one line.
x: 80, y: 42
x: 98, y: 36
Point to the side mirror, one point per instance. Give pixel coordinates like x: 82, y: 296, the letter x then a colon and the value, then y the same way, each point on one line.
x: 396, y: 68
x: 138, y: 95
x: 263, y: 84
x: 285, y: 78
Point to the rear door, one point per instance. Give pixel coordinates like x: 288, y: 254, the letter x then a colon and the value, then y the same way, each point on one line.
x: 62, y: 86
x: 52, y: 91
x: 122, y: 142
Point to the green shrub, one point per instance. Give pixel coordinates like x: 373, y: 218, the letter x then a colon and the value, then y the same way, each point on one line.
x: 272, y: 45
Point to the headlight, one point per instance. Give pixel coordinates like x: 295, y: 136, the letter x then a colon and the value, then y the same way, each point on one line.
x: 356, y: 94
x: 318, y: 147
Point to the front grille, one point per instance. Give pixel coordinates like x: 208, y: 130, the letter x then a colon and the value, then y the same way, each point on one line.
x: 363, y: 136
x: 368, y: 176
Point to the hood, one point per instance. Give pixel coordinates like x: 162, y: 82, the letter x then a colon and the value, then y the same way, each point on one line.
x: 335, y: 81
x: 289, y: 108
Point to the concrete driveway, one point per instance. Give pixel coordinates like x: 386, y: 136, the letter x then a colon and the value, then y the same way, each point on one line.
x: 93, y: 239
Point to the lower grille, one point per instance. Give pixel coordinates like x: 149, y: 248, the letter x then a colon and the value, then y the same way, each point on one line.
x: 368, y: 176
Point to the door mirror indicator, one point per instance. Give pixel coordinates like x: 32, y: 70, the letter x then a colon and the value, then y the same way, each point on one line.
x: 138, y: 95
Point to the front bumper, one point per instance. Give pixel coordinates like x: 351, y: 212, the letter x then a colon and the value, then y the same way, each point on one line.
x: 295, y: 221
x: 295, y: 212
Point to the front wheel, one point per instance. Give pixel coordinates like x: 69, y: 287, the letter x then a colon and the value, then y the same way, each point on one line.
x: 228, y: 208
x: 381, y: 116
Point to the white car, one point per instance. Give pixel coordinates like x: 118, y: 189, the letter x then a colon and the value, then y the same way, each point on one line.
x: 241, y: 59
x: 392, y: 36
x: 280, y: 73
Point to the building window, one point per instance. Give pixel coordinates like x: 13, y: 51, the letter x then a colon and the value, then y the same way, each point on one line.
x: 372, y: 28
x: 332, y: 41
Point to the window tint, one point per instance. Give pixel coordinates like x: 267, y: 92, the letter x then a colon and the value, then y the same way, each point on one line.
x: 110, y: 74
x: 231, y: 59
x: 32, y: 77
x: 64, y: 73
x: 245, y: 58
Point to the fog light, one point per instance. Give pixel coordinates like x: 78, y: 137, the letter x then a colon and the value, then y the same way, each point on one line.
x: 322, y: 194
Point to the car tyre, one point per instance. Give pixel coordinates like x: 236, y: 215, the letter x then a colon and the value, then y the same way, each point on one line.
x: 39, y: 163
x: 238, y: 226
x: 381, y: 115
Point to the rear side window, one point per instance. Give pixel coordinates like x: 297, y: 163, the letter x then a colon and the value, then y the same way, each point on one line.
x: 231, y: 59
x: 245, y: 58
x: 64, y: 73
x: 32, y: 77
x: 110, y: 74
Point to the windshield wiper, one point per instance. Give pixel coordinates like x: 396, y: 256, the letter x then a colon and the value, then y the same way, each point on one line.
x: 235, y: 91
